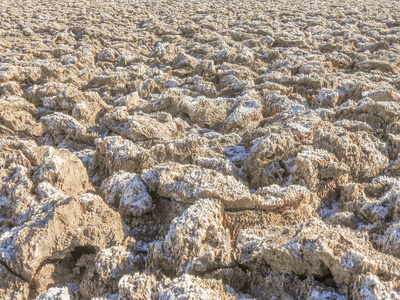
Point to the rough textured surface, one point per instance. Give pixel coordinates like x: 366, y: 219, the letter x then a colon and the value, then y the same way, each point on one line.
x: 127, y: 193
x: 199, y: 150
x: 197, y: 241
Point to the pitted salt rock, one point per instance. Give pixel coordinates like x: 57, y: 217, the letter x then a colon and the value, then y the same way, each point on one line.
x: 127, y: 192
x: 199, y: 228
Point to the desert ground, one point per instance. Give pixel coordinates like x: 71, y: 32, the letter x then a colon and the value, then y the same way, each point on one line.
x: 199, y: 149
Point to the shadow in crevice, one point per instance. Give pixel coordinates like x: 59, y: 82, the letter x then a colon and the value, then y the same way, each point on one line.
x: 60, y: 271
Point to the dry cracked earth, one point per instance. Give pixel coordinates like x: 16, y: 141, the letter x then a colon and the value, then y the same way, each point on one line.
x: 199, y: 149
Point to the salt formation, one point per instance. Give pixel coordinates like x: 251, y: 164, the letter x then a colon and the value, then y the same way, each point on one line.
x: 199, y: 150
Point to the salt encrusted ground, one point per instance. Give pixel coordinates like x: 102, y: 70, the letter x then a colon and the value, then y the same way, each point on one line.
x: 199, y: 149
